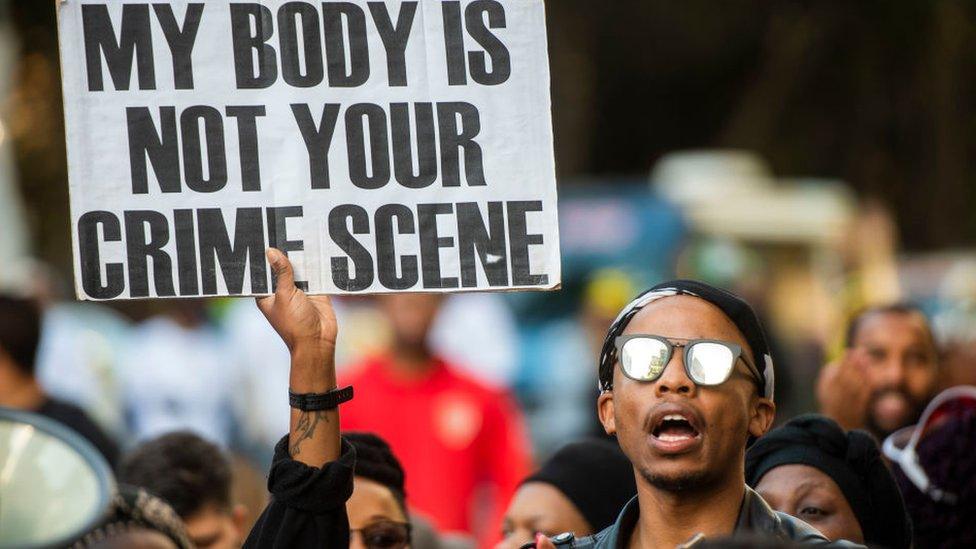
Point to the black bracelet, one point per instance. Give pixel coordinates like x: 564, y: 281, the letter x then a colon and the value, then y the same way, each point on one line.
x: 310, y: 402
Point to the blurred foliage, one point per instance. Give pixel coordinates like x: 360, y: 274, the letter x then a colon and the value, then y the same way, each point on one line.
x: 877, y: 93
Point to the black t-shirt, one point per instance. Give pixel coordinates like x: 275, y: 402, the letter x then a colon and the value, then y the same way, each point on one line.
x: 76, y: 419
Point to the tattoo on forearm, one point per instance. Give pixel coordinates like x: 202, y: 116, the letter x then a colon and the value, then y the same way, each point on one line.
x: 305, y: 429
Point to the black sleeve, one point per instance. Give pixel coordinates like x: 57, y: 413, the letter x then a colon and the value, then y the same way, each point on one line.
x: 308, y: 504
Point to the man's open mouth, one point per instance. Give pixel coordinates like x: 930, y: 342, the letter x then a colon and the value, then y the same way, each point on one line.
x: 674, y: 427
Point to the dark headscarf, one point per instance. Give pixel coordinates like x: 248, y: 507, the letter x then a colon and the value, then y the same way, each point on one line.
x: 375, y: 461
x: 734, y: 307
x: 596, y: 477
x: 852, y: 460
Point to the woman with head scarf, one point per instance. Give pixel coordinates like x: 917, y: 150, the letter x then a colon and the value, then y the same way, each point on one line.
x: 580, y: 489
x: 835, y: 481
x: 377, y: 509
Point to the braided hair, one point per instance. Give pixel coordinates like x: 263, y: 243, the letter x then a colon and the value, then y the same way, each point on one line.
x: 132, y: 510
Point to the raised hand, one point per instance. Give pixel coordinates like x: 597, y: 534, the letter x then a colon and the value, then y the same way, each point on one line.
x: 301, y: 321
x: 844, y: 391
x: 308, y: 327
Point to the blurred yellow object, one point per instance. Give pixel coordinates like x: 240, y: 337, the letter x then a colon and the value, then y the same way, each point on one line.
x: 607, y: 291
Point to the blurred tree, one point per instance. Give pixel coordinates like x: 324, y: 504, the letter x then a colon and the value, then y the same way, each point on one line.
x: 36, y: 122
x: 876, y: 93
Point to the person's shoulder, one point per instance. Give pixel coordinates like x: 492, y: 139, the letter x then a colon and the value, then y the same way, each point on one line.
x: 78, y: 420
x: 62, y: 410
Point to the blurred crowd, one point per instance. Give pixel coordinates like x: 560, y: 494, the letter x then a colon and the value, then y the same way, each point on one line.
x: 474, y: 391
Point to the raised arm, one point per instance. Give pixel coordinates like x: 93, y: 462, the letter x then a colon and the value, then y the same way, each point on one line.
x: 308, y: 327
x: 311, y: 477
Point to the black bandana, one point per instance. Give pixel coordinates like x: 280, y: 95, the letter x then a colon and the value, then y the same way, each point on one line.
x: 734, y: 307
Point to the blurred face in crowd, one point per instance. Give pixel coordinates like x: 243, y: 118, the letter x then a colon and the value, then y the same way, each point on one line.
x: 539, y: 507
x: 706, y: 446
x: 901, y: 358
x: 812, y: 496
x: 376, y: 518
x: 411, y: 316
x: 213, y: 527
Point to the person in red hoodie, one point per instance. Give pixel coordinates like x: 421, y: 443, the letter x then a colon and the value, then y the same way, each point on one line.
x: 454, y: 435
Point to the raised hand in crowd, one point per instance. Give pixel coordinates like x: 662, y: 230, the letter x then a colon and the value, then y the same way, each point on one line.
x: 312, y: 470
x: 844, y: 389
x: 308, y: 327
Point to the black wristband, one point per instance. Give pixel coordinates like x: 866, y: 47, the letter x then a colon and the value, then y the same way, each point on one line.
x: 310, y: 402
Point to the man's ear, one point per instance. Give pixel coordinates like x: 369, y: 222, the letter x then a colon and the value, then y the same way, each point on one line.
x: 604, y: 410
x: 238, y: 515
x: 763, y: 414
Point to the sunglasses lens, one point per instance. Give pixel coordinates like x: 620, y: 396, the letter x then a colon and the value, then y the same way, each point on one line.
x: 644, y: 358
x: 385, y: 536
x: 710, y: 363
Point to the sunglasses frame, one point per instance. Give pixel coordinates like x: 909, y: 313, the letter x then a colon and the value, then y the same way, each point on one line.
x: 406, y: 525
x: 686, y: 346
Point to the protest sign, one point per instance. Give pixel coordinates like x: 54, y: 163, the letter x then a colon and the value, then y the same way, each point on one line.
x: 385, y: 146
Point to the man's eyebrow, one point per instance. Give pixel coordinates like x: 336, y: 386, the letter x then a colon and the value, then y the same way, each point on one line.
x: 920, y: 347
x: 380, y: 518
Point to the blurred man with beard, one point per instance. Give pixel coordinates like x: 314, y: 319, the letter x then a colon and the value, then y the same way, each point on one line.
x: 887, y: 375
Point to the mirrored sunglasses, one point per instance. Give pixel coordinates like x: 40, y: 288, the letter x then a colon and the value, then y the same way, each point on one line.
x: 707, y: 362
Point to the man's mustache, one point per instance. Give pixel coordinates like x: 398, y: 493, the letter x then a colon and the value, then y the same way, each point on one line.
x: 899, y: 390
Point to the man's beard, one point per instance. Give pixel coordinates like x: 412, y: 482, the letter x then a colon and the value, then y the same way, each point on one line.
x: 915, y: 409
x: 689, y: 482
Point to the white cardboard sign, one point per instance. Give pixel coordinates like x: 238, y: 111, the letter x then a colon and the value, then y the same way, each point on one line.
x: 385, y: 146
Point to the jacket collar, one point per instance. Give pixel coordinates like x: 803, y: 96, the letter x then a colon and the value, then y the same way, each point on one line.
x: 755, y: 515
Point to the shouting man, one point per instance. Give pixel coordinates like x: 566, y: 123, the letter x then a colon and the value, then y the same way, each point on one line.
x: 687, y: 382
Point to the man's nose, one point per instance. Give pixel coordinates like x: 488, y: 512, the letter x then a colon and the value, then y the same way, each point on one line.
x: 893, y: 373
x: 674, y: 379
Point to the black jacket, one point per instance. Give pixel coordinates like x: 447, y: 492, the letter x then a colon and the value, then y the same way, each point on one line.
x: 755, y: 517
x: 308, y: 504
